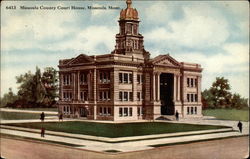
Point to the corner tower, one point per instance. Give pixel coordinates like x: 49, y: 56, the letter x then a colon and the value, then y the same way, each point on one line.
x: 129, y: 41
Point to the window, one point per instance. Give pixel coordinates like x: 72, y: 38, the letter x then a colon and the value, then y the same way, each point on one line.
x: 138, y: 79
x: 108, y: 95
x: 67, y: 96
x: 120, y: 96
x: 120, y: 77
x: 138, y: 96
x: 196, y: 98
x: 130, y: 78
x: 130, y: 96
x: 125, y: 96
x: 104, y: 77
x: 125, y: 111
x: 83, y: 78
x: 101, y: 112
x: 188, y: 97
x: 66, y: 79
x: 120, y: 111
x: 125, y: 78
x: 188, y: 82
x: 100, y: 77
x: 100, y: 95
x: 195, y: 110
x: 195, y: 82
x: 109, y: 111
x: 138, y: 111
x: 104, y: 95
x: 188, y: 110
x: 192, y: 97
x: 192, y: 110
x: 192, y: 82
x: 83, y: 95
x: 105, y: 111
x: 130, y: 111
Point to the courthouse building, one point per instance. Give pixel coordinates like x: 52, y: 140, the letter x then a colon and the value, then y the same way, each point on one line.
x: 127, y: 84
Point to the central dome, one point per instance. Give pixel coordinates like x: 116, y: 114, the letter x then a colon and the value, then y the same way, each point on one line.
x: 129, y: 13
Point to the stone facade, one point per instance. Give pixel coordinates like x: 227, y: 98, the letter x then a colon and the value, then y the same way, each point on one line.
x: 127, y: 84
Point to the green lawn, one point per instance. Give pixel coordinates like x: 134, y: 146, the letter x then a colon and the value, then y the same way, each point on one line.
x: 117, y: 130
x: 228, y: 114
x: 18, y: 115
x: 38, y: 109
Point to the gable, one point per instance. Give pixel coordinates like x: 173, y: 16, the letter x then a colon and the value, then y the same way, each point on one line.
x: 81, y: 59
x: 165, y: 60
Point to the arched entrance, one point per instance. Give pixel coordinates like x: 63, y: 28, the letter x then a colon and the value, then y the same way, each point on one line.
x: 166, y: 93
x: 83, y: 112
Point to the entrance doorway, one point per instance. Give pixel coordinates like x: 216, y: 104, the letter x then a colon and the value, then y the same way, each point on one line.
x: 83, y: 112
x: 166, y: 93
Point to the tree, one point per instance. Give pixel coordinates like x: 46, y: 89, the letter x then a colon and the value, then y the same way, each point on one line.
x: 219, y: 96
x: 207, y: 99
x: 50, y: 82
x: 220, y: 92
x: 39, y: 89
x: 239, y: 102
x: 8, y: 98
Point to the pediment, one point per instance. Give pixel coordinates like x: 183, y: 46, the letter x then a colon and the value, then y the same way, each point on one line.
x: 165, y: 60
x: 81, y: 59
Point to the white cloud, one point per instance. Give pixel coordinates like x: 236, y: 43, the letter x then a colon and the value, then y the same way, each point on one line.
x: 197, y: 29
x: 28, y: 30
x: 156, y: 11
x: 233, y: 64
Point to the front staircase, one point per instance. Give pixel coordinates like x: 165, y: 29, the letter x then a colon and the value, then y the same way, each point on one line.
x: 166, y: 117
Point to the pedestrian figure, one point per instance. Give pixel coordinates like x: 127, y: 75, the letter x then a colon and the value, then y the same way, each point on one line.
x: 60, y: 116
x: 42, y: 132
x: 42, y: 116
x: 240, y: 126
x: 177, y: 115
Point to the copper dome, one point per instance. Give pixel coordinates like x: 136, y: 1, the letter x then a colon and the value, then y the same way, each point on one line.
x: 129, y: 13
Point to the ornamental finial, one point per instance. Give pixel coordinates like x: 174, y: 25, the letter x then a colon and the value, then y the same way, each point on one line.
x: 129, y: 2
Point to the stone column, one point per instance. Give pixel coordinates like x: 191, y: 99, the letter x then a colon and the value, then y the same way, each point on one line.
x: 134, y: 86
x: 74, y: 85
x: 61, y: 86
x: 153, y: 84
x: 89, y: 77
x: 78, y: 85
x: 184, y: 85
x: 178, y: 89
x: 174, y: 87
x: 199, y: 88
x: 94, y: 93
x: 158, y: 86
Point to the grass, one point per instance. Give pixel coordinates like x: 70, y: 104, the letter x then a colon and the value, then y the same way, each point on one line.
x: 38, y: 109
x: 20, y: 115
x: 228, y: 114
x: 117, y: 130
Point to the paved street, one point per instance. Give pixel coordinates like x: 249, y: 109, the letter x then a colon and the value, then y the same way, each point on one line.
x: 232, y: 148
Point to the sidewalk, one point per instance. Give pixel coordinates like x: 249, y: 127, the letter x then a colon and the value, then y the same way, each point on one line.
x: 144, y: 143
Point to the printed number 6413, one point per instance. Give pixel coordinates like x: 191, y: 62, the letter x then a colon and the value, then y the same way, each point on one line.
x: 10, y: 7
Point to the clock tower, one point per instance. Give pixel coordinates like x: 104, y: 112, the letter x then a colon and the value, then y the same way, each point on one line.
x: 129, y: 41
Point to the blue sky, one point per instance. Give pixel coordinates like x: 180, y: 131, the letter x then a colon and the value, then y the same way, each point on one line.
x: 213, y: 34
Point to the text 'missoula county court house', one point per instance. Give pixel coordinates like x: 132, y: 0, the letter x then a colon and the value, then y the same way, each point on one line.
x: 127, y: 84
